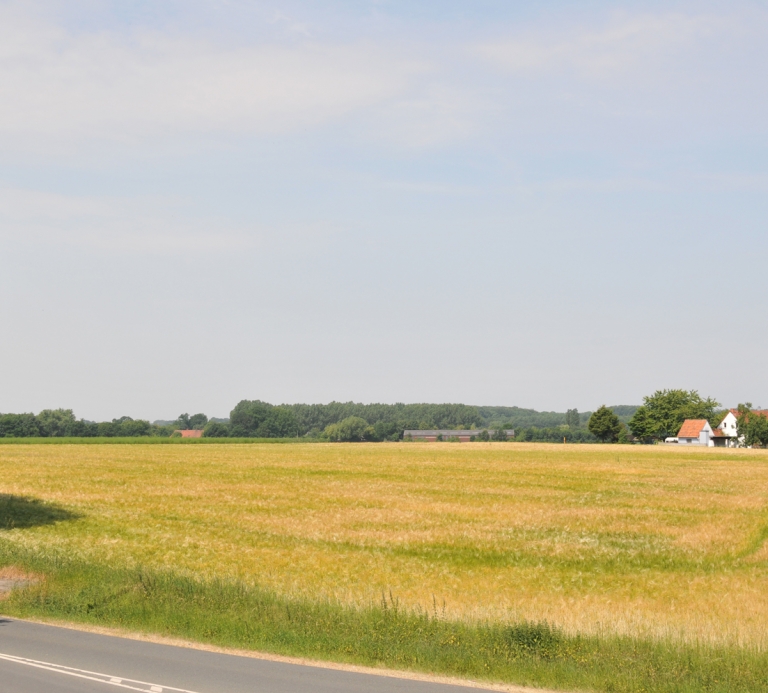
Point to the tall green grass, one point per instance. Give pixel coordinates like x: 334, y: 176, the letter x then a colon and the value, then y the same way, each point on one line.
x: 233, y: 615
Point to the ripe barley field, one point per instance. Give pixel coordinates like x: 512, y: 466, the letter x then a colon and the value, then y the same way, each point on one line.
x: 653, y: 542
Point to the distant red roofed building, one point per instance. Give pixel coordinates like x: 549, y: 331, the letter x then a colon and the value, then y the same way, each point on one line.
x: 190, y: 433
x: 730, y: 430
x: 696, y: 432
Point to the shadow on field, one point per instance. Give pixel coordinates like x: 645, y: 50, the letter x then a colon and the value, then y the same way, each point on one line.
x: 18, y: 512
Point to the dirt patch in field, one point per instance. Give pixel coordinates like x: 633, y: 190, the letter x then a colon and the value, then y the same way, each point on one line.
x: 12, y: 577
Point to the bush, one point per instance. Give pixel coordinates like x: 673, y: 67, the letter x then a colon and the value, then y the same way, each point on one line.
x: 216, y: 430
x: 353, y: 429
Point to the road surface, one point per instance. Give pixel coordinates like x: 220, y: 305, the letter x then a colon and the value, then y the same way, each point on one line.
x: 36, y: 658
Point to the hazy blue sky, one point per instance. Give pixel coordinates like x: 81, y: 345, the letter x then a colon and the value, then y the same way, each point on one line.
x: 538, y: 204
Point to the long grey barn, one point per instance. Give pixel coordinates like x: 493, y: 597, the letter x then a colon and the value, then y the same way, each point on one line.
x: 464, y: 435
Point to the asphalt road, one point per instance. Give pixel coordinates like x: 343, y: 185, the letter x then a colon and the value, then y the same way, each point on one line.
x: 36, y: 658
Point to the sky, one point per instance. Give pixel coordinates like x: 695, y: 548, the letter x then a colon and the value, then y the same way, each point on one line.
x: 546, y: 205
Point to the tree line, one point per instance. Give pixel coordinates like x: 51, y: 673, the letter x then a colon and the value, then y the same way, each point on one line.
x: 347, y: 421
x: 62, y: 423
x: 255, y: 418
x: 661, y: 415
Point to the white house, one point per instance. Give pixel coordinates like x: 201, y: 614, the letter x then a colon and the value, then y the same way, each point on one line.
x: 696, y: 432
x: 727, y: 433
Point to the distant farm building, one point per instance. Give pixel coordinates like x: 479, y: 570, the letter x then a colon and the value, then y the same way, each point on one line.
x: 726, y: 434
x: 463, y: 435
x: 190, y: 433
x: 696, y: 432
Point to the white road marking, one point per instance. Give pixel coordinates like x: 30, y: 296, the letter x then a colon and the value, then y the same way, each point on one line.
x: 130, y: 684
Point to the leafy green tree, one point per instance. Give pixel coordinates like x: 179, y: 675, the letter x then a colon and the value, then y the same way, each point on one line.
x: 388, y: 430
x: 107, y: 429
x: 182, y: 423
x: 499, y: 434
x: 572, y: 418
x: 134, y: 428
x: 353, y: 429
x: 19, y: 426
x: 262, y: 420
x: 216, y: 429
x: 604, y: 425
x: 198, y: 421
x: 623, y: 436
x: 663, y: 413
x: 483, y: 436
x: 124, y: 427
x: 751, y: 426
x: 56, y: 422
x: 642, y: 425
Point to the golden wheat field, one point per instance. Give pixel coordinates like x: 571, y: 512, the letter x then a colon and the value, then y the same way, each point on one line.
x: 642, y: 540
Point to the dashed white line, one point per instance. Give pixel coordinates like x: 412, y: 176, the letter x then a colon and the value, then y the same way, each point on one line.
x: 120, y: 682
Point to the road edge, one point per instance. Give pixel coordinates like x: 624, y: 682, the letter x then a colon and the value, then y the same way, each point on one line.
x: 268, y: 656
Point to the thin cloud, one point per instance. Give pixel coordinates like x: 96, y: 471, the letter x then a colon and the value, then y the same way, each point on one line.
x: 58, y: 84
x: 141, y: 226
x: 654, y: 77
x: 627, y: 44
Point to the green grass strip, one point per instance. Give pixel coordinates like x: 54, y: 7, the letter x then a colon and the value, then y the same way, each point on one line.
x: 233, y: 615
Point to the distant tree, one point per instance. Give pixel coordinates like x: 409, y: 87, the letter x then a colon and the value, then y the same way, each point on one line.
x: 19, y: 426
x: 133, y: 428
x: 623, y: 436
x: 663, y: 413
x: 642, y: 425
x: 388, y: 430
x: 572, y: 418
x: 483, y: 435
x: 553, y: 434
x: 107, y: 429
x: 262, y: 420
x: 198, y: 421
x: 353, y: 429
x: 182, y: 423
x: 752, y: 427
x: 57, y: 422
x: 605, y: 425
x: 499, y: 434
x: 717, y: 417
x: 215, y: 429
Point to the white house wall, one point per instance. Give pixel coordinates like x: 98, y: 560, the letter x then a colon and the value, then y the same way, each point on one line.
x: 729, y: 426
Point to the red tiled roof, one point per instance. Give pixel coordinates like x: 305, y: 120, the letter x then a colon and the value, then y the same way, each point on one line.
x: 691, y: 428
x: 759, y: 412
x: 191, y: 433
x: 719, y: 433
